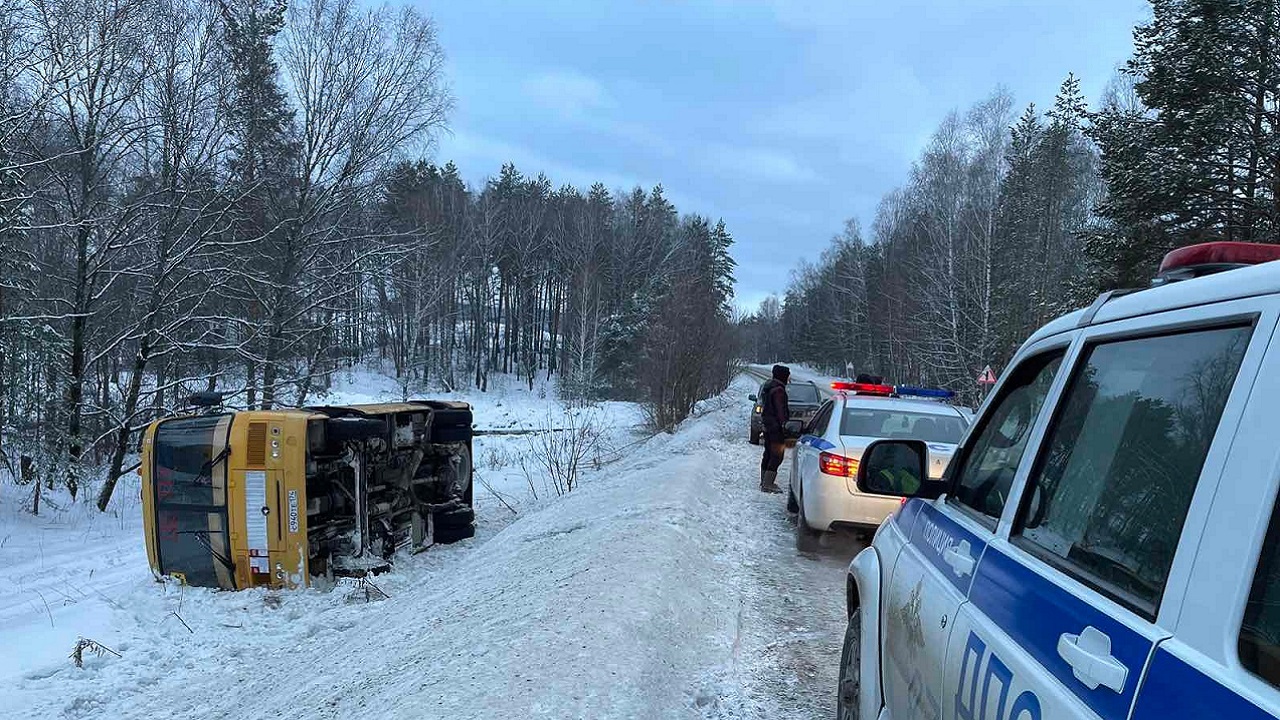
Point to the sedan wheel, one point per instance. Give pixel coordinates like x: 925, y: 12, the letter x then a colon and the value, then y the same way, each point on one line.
x: 849, y: 693
x: 808, y: 540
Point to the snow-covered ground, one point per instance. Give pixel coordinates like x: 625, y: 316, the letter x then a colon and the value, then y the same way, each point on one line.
x: 665, y: 586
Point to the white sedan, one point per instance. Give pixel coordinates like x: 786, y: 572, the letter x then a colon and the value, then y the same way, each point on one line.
x: 824, y: 463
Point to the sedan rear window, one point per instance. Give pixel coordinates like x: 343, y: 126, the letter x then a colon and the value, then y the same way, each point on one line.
x: 802, y: 394
x: 867, y: 422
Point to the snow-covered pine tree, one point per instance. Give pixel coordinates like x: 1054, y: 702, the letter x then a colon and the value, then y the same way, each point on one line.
x: 262, y: 170
x: 1198, y: 160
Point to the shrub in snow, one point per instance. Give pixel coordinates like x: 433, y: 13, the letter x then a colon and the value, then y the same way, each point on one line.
x: 92, y: 646
x: 559, y: 453
x: 496, y: 458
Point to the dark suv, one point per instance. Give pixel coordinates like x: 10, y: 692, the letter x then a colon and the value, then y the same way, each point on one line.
x: 802, y: 397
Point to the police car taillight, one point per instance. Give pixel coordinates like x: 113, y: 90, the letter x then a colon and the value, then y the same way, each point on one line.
x: 1208, y: 258
x: 837, y: 465
x: 863, y: 388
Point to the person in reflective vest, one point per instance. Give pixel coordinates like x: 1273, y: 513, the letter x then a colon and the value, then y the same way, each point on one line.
x: 895, y: 476
x: 899, y: 481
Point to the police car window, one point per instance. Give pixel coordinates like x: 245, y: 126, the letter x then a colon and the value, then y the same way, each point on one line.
x: 819, y: 423
x: 1110, y: 491
x: 930, y: 427
x: 1259, y: 643
x: 983, y: 481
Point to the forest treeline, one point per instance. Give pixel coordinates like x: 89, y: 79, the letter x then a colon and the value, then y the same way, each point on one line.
x: 225, y: 195
x: 1010, y: 217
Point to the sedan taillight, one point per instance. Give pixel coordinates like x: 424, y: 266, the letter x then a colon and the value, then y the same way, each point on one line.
x: 837, y: 465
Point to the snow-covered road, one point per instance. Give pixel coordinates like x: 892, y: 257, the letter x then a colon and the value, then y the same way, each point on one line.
x: 667, y: 586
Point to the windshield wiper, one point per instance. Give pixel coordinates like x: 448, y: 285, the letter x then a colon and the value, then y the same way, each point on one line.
x: 202, y: 537
x: 206, y: 470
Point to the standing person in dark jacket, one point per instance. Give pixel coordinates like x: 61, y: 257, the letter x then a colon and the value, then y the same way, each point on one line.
x: 774, y: 414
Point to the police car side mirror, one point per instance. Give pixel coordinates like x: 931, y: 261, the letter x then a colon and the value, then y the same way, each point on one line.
x: 794, y: 428
x: 897, y: 468
x: 752, y: 398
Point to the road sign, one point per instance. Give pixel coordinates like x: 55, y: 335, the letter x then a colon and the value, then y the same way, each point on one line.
x: 986, y: 377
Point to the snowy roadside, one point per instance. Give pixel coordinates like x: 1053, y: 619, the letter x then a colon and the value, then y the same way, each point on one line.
x: 64, y: 574
x: 664, y: 587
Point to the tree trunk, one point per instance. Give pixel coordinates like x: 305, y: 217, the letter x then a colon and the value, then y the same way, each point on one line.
x: 251, y: 383
x: 28, y: 472
x: 123, y: 432
x: 75, y: 393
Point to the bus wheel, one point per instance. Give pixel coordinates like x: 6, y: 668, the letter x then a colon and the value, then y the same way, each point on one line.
x: 454, y: 525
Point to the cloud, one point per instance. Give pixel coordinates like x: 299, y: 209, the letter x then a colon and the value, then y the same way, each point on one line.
x: 758, y: 164
x: 581, y: 101
x: 481, y: 156
x: 806, y: 113
x: 567, y: 93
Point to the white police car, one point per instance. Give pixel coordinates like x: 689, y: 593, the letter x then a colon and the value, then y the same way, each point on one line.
x: 825, y: 458
x: 1106, y: 541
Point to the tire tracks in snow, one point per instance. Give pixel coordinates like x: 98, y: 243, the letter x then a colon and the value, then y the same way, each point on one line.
x: 791, y: 614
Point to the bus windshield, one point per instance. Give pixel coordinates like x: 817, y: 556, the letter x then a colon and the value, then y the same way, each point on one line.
x: 189, y: 486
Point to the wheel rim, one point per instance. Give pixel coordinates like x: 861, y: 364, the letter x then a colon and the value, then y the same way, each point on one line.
x: 460, y: 466
x: 850, y: 672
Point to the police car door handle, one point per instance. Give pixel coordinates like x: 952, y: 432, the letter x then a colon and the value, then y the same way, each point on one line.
x: 1089, y: 655
x: 960, y: 558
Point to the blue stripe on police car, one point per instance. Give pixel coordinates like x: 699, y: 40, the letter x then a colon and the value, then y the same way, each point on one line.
x: 940, y: 539
x: 1035, y: 613
x: 1175, y: 689
x: 816, y: 442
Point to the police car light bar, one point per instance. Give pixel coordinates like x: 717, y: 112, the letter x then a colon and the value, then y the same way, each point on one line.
x: 924, y: 392
x: 1207, y: 258
x: 863, y: 388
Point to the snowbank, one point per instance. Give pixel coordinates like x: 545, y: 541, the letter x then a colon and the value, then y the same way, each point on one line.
x: 63, y: 575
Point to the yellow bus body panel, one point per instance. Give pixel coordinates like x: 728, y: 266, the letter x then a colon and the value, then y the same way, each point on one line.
x: 148, y: 499
x: 267, y: 498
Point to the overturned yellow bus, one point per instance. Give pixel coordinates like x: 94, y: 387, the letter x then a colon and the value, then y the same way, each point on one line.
x: 276, y: 498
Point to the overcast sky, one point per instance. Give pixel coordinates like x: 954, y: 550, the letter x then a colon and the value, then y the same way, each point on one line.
x: 783, y: 118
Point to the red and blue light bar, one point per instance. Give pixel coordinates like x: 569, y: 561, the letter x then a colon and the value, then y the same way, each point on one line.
x: 882, y: 390
x: 936, y: 393
x: 1213, y: 257
x: 863, y: 388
